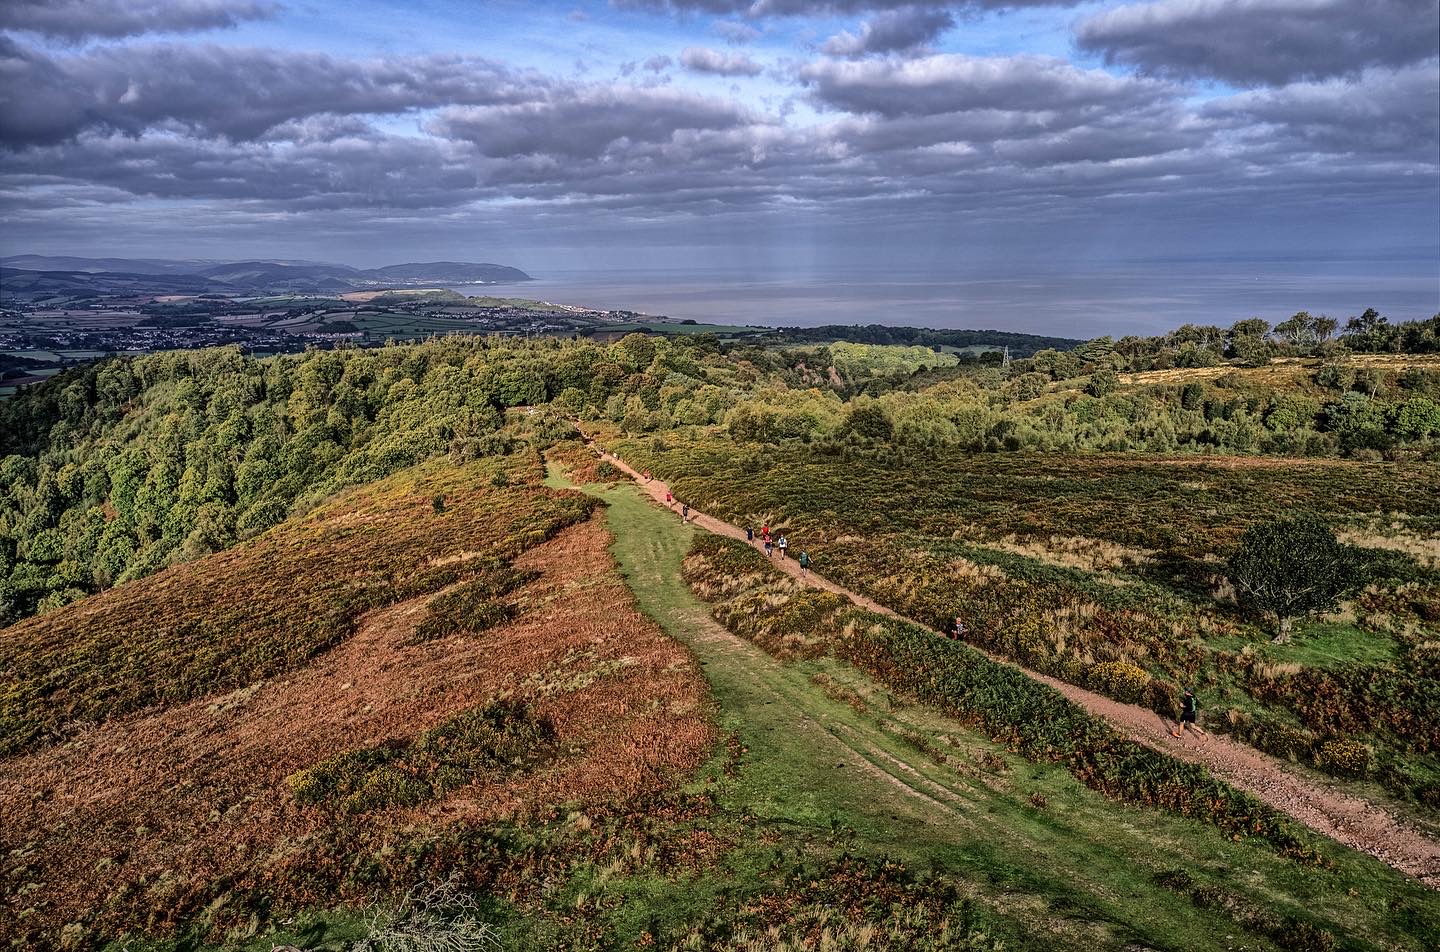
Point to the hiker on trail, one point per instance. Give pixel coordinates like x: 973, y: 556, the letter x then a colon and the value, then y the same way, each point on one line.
x: 1189, y: 714
x: 750, y: 534
x: 685, y: 512
x: 783, y: 544
x: 669, y: 499
x: 647, y: 475
x: 959, y: 630
x: 765, y: 532
x: 804, y: 562
x: 769, y: 547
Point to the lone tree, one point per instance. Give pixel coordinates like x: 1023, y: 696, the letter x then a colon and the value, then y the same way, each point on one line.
x: 1290, y: 568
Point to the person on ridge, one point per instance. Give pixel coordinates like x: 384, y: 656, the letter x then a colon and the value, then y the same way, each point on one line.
x: 804, y: 562
x: 1189, y: 714
x: 784, y: 543
x: 750, y: 534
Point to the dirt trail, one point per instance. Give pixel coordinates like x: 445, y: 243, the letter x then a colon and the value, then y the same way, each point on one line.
x: 1343, y: 817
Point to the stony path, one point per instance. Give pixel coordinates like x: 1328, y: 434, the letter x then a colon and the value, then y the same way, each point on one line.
x: 1343, y: 817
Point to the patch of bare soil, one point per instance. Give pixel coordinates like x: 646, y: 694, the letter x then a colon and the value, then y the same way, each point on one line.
x: 148, y: 812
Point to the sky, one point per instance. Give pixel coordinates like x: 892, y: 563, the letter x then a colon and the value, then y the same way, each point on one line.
x: 810, y: 136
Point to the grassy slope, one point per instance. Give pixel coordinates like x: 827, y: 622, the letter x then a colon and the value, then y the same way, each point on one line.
x: 1079, y: 870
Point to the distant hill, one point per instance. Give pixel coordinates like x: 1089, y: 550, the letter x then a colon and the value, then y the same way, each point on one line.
x: 128, y: 265
x: 36, y: 277
x: 447, y: 272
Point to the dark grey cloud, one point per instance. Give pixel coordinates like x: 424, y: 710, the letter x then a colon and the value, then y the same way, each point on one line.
x: 222, y: 91
x: 75, y: 20
x: 658, y: 64
x: 702, y: 59
x: 893, y: 31
x: 1263, y: 42
x: 307, y: 169
x: 586, y: 122
x: 1384, y: 114
x: 950, y: 83
x: 249, y: 138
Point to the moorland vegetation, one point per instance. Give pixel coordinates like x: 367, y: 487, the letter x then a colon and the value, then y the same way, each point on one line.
x: 183, y: 531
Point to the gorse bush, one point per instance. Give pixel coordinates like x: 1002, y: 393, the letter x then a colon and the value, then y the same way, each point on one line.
x: 501, y: 736
x: 1121, y: 680
x: 1346, y: 756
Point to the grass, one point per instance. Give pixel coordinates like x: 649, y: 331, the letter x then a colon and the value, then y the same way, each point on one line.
x: 1330, y: 645
x: 1078, y: 870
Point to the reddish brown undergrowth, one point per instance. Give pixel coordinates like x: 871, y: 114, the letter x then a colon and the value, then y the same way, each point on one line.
x: 141, y: 823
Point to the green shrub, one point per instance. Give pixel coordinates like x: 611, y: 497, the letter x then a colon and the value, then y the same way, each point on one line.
x: 473, y: 606
x: 1121, y: 680
x: 502, y: 736
x: 1345, y: 756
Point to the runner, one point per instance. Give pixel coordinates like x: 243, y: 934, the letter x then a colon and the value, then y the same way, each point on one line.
x: 804, y: 562
x: 784, y: 543
x: 750, y: 534
x: 669, y: 499
x: 685, y: 512
x: 1189, y: 714
x: 769, y: 547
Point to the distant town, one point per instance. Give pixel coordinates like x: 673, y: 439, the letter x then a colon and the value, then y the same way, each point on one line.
x: 50, y: 319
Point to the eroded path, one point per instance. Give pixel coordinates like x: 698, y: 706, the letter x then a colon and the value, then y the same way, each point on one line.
x: 1346, y: 818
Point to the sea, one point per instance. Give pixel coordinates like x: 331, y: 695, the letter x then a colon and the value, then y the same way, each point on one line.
x: 1146, y: 298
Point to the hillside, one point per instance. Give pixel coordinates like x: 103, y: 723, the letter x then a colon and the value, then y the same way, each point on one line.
x: 300, y: 634
x: 242, y: 704
x: 36, y: 277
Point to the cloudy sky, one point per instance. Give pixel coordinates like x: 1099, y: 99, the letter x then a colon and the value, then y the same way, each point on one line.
x: 688, y: 133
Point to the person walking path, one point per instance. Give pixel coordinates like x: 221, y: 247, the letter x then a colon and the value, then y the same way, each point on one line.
x: 1335, y: 813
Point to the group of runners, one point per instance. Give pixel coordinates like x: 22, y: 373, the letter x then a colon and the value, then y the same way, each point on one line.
x: 780, y: 543
x: 1189, y: 706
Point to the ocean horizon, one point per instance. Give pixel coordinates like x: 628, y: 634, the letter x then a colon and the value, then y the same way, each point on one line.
x: 1144, y: 299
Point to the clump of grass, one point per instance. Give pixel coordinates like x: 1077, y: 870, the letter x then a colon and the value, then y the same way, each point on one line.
x: 501, y: 737
x: 474, y: 606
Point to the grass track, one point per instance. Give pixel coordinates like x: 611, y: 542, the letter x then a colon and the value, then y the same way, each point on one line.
x: 1077, y: 872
